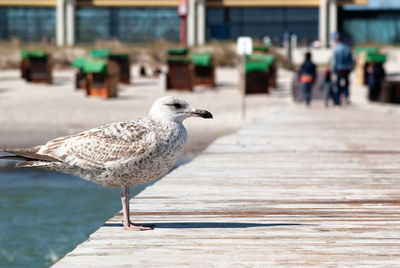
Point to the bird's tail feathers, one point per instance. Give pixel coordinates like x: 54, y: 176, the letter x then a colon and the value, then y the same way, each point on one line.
x: 29, y: 155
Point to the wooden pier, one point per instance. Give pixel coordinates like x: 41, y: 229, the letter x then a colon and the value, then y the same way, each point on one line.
x: 305, y: 187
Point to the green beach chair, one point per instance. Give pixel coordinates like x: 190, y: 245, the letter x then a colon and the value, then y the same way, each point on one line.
x: 180, y: 70
x: 203, y: 68
x: 102, y: 77
x: 35, y: 66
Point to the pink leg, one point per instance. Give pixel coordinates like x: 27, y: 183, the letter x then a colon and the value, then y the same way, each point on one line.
x: 128, y: 225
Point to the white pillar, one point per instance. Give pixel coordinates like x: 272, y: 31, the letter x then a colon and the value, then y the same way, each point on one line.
x: 332, y: 18
x: 191, y: 23
x: 60, y: 23
x: 70, y: 14
x: 201, y: 22
x: 323, y: 17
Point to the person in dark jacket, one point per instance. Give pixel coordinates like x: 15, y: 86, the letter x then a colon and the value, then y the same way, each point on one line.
x: 375, y: 76
x: 307, y: 75
x: 342, y: 64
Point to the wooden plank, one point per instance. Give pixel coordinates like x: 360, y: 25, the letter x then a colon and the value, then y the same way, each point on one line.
x: 305, y: 187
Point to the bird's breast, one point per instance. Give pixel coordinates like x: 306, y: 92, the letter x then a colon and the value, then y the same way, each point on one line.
x: 167, y: 149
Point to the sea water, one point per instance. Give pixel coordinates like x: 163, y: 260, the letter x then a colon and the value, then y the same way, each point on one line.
x: 44, y: 215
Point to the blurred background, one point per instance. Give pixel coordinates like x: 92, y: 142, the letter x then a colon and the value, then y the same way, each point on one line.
x: 62, y: 64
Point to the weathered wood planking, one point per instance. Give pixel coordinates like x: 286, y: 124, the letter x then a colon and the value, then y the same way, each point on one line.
x: 305, y: 187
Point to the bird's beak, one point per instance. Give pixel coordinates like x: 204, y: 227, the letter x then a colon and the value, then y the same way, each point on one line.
x: 202, y: 113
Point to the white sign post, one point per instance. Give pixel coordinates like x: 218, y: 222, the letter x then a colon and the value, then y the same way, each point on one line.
x: 244, y: 47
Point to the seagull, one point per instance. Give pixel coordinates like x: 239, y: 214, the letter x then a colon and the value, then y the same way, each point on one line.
x: 120, y: 154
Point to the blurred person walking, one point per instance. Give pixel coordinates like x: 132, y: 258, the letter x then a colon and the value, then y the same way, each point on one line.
x: 342, y: 64
x: 328, y: 87
x: 375, y: 76
x: 307, y: 75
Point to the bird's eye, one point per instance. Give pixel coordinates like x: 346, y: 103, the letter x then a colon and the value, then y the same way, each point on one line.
x: 177, y: 105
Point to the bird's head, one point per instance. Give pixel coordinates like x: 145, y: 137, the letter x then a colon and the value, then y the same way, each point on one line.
x: 175, y: 110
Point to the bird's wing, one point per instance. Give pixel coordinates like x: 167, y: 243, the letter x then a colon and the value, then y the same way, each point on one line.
x: 104, y: 146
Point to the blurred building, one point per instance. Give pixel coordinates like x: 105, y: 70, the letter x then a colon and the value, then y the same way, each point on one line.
x: 136, y: 21
x: 84, y: 21
x: 376, y: 23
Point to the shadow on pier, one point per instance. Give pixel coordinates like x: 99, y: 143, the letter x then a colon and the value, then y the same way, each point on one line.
x: 209, y: 225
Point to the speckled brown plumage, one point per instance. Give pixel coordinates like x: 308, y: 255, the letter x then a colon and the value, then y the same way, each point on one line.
x: 120, y: 154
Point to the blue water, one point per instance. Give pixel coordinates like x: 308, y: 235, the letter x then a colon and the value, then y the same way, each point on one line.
x: 44, y: 215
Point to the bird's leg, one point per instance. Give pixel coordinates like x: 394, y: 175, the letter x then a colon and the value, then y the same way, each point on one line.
x: 128, y: 225
x: 129, y: 220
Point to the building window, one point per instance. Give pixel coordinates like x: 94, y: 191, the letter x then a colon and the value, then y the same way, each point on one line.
x: 29, y: 24
x: 132, y: 25
x: 365, y: 26
x: 230, y: 23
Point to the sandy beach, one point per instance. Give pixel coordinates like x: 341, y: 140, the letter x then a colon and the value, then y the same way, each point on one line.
x: 34, y: 113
